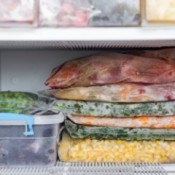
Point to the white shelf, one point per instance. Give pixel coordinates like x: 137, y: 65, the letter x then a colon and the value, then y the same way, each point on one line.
x: 92, y: 169
x: 85, y: 34
x: 87, y: 37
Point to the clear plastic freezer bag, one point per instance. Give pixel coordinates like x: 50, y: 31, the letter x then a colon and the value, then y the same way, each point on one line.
x: 111, y: 68
x: 156, y: 122
x: 18, y: 12
x: 80, y: 13
x: 64, y: 13
x: 115, y: 13
x: 92, y: 150
x: 102, y: 109
x: 22, y: 102
x: 121, y: 92
x: 117, y: 133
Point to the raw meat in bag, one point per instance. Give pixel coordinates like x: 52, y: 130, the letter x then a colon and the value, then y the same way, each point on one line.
x: 110, y: 68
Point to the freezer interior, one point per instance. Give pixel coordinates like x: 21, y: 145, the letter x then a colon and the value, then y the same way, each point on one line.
x: 27, y: 70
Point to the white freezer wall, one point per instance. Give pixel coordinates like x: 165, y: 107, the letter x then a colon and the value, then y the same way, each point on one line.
x: 27, y: 70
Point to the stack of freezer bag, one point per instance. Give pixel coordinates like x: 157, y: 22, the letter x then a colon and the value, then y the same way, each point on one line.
x: 120, y: 108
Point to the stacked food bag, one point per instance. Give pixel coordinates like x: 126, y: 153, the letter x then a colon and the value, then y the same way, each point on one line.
x: 119, y: 107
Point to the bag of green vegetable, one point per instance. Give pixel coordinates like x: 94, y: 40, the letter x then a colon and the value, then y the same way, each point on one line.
x: 21, y: 102
x: 117, y: 133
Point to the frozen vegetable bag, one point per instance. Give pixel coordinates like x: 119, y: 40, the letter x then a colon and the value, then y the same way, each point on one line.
x: 104, y: 109
x: 163, y: 122
x: 93, y: 150
x: 22, y: 102
x: 117, y: 133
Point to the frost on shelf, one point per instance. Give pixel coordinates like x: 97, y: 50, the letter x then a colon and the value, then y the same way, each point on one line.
x: 160, y: 10
x: 19, y: 11
x: 80, y: 13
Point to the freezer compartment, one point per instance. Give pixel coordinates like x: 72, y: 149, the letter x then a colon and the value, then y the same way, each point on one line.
x: 27, y: 70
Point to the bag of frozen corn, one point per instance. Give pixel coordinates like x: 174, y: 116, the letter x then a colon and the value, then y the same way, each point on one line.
x: 93, y: 150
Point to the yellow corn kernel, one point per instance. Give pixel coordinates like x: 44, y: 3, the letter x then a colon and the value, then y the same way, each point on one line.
x: 87, y: 150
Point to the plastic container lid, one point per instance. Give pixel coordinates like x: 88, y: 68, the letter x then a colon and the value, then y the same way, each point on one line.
x: 30, y: 120
x: 38, y: 119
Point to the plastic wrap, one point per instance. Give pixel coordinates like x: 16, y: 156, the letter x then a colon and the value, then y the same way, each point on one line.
x: 129, y: 122
x: 102, y: 109
x: 15, y: 12
x: 79, y: 13
x: 91, y: 150
x: 121, y: 92
x: 118, y: 133
x: 110, y: 68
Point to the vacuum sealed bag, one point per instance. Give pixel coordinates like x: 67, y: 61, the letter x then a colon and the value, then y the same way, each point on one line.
x: 128, y: 122
x: 102, y: 109
x: 122, y: 92
x: 111, y: 68
x: 92, y: 150
x: 117, y: 133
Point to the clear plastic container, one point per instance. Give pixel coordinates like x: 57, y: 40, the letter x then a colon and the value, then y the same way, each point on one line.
x: 29, y: 140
